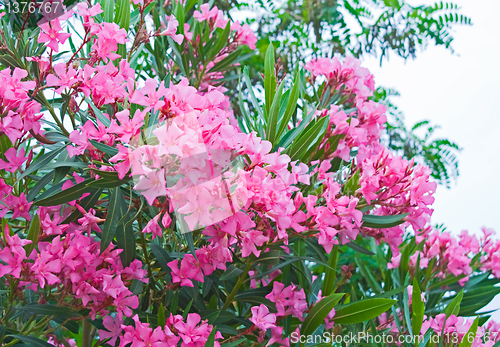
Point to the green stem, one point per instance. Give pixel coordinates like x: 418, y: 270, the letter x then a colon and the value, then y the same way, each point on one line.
x: 86, y: 334
x: 241, y: 280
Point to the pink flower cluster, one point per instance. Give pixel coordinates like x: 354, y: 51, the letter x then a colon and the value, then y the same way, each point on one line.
x: 348, y: 74
x: 190, y: 333
x: 74, y: 264
x: 455, y: 328
x: 289, y: 300
x: 454, y: 255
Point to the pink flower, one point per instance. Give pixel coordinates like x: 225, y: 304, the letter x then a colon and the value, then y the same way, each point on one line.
x: 262, y: 318
x: 244, y: 35
x: 51, y: 33
x: 14, y: 160
x: 142, y: 335
x: 11, y: 126
x: 66, y: 77
x: 171, y: 29
x: 205, y: 13
x: 152, y: 185
x: 113, y: 329
x: 153, y: 227
x: 191, y: 333
x: 251, y: 239
x: 19, y: 206
x: 280, y: 297
x: 46, y: 268
x: 108, y: 38
x: 128, y: 128
x: 81, y: 140
x: 13, y: 255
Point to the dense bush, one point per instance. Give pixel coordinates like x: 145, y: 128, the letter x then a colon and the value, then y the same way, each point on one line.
x: 138, y: 210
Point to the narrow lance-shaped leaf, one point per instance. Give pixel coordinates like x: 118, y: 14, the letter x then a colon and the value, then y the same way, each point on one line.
x: 418, y: 308
x: 454, y: 306
x: 115, y: 207
x: 318, y: 313
x: 382, y: 222
x: 41, y: 162
x: 274, y: 115
x: 67, y: 195
x: 125, y: 238
x: 291, y: 106
x: 269, y: 77
x: 33, y: 233
x: 330, y: 272
x: 363, y: 310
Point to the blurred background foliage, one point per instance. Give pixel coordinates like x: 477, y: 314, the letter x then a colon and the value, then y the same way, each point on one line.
x: 304, y: 29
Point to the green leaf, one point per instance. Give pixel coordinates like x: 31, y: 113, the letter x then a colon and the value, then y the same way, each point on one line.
x: 269, y: 77
x: 231, y: 272
x: 161, y: 316
x: 5, y: 144
x: 33, y: 233
x: 226, y: 62
x: 274, y: 115
x: 221, y: 43
x: 318, y: 313
x: 104, y: 148
x: 389, y: 293
x: 32, y: 341
x: 125, y: 15
x: 352, y: 185
x: 115, y: 208
x: 109, y: 7
x: 187, y: 308
x: 253, y: 99
x: 382, y: 222
x: 367, y: 274
x: 67, y: 195
x: 49, y: 310
x: 418, y: 308
x: 41, y: 162
x: 331, y: 271
x: 256, y: 301
x: 162, y: 256
x: 454, y: 306
x: 307, y: 139
x: 469, y: 338
x: 290, y: 136
x: 291, y: 106
x: 149, y: 8
x: 235, y: 343
x: 87, y: 203
x: 125, y: 237
x: 211, y: 338
x: 358, y: 248
x: 363, y: 310
x: 37, y: 188
x: 105, y: 121
x: 107, y: 182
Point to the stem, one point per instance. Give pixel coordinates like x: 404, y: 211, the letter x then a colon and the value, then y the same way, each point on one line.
x: 86, y: 334
x: 241, y: 279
